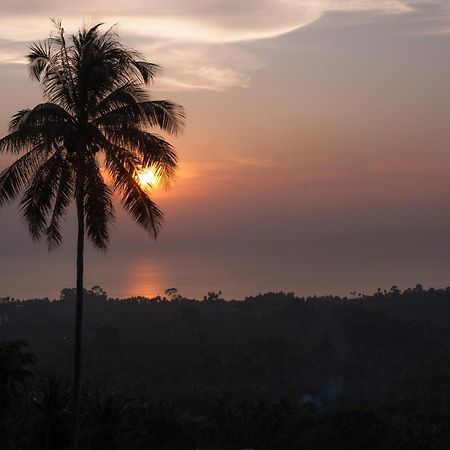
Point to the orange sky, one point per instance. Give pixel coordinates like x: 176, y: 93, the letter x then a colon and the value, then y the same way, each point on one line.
x: 315, y: 157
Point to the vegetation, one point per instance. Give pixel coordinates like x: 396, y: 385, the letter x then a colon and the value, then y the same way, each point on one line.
x: 96, y: 111
x: 274, y: 371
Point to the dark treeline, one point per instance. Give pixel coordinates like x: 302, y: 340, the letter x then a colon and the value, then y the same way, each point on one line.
x: 274, y: 371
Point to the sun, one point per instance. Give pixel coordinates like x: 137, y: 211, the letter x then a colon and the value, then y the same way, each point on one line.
x: 147, y: 177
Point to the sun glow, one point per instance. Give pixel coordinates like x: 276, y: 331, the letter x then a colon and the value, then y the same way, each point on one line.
x: 148, y: 178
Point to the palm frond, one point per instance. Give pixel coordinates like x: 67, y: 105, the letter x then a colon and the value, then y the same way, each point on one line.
x: 37, y: 199
x: 63, y: 197
x: 41, y: 115
x: 126, y: 156
x: 98, y: 207
x: 147, y: 70
x: 17, y: 119
x: 129, y: 94
x: 135, y: 199
x: 164, y: 114
x: 151, y: 149
x: 47, y: 63
x: 25, y: 138
x: 14, y: 177
x: 39, y: 58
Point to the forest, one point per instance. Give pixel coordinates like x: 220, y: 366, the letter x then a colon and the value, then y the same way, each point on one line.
x: 272, y: 371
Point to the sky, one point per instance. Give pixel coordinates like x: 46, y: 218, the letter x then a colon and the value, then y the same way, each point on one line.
x: 315, y: 157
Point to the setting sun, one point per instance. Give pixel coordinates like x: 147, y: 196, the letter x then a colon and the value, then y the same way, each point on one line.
x: 147, y: 177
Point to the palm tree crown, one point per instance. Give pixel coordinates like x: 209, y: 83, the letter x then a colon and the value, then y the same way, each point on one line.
x: 97, y: 114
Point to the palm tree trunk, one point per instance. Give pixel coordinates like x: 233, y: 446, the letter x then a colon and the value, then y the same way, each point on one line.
x: 78, y: 311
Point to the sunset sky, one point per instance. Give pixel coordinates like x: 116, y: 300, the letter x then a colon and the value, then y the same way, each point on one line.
x: 315, y: 157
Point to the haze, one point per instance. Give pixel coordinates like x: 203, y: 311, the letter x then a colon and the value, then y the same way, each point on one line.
x: 315, y: 159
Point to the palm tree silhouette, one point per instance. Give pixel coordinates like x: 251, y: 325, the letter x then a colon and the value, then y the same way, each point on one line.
x: 15, y: 371
x: 95, y: 120
x: 51, y: 416
x: 16, y: 365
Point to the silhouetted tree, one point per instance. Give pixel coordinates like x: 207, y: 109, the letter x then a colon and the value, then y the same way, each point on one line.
x: 212, y: 296
x: 104, y: 422
x: 96, y: 104
x: 15, y: 372
x: 50, y: 427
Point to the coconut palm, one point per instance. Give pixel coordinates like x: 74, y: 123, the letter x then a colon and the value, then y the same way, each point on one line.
x: 50, y: 422
x: 15, y: 371
x: 105, y: 417
x: 95, y: 121
x: 16, y: 365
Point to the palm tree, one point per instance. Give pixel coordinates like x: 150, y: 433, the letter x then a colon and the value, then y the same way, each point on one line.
x: 95, y: 120
x: 16, y: 365
x: 15, y: 372
x: 106, y: 415
x: 50, y: 423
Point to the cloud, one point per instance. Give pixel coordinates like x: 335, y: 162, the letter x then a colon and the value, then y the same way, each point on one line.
x: 197, y: 40
x: 202, y: 66
x: 206, y: 78
x: 209, y: 21
x: 254, y: 162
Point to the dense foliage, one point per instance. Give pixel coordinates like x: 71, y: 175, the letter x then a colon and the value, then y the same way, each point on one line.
x: 272, y: 372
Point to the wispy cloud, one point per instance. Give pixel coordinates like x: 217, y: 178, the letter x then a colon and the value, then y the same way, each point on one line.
x: 187, y: 20
x: 254, y: 162
x: 196, y: 40
x: 202, y: 66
